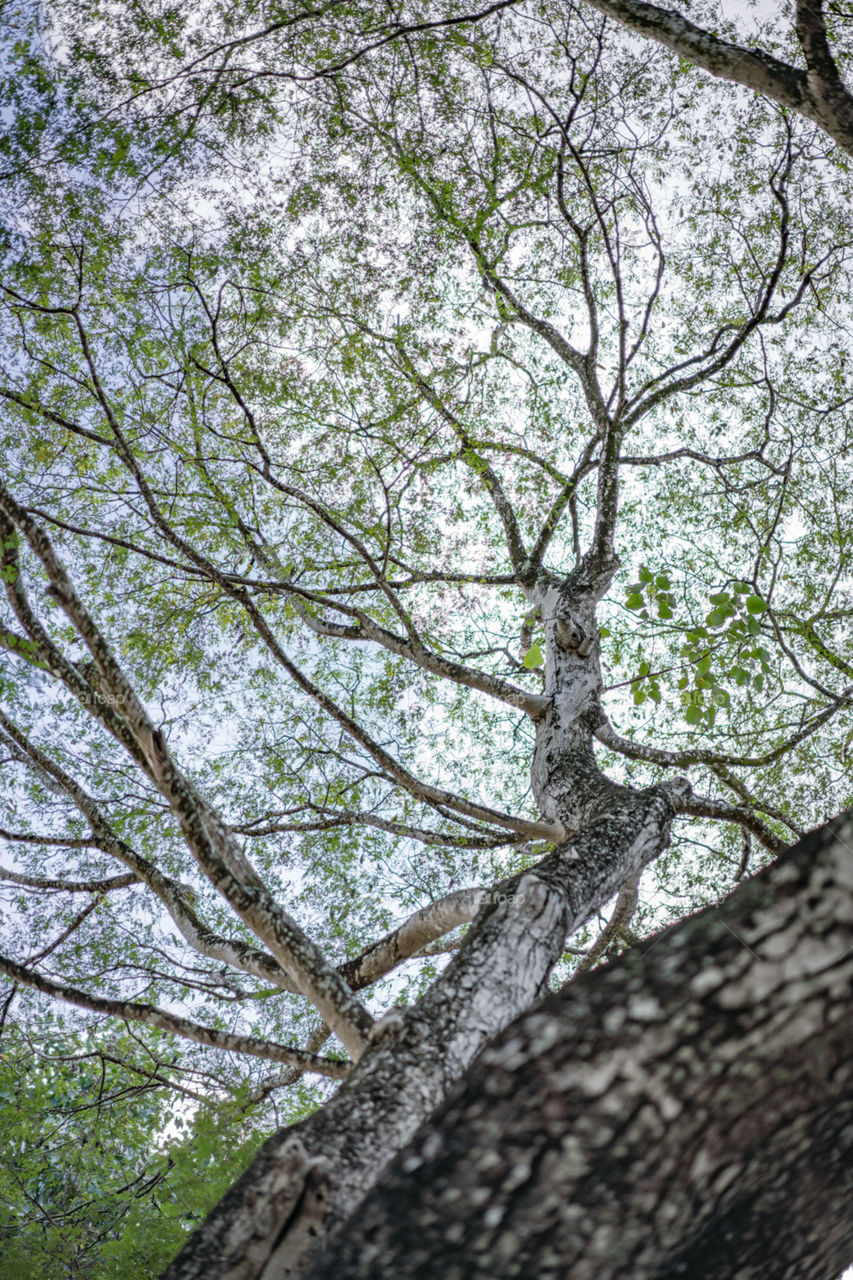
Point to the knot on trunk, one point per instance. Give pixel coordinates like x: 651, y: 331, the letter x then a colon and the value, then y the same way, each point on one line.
x: 570, y: 635
x: 675, y: 791
x: 307, y: 1225
x: 389, y: 1027
x: 401, y: 1028
x: 532, y: 893
x: 277, y: 1223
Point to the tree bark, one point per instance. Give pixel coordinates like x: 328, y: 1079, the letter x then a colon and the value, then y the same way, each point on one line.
x: 685, y: 1111
x: 308, y: 1179
x: 818, y: 93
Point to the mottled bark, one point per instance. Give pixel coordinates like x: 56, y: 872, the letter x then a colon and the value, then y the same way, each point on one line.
x: 686, y: 1111
x: 568, y: 785
x: 423, y: 927
x: 418, y: 1054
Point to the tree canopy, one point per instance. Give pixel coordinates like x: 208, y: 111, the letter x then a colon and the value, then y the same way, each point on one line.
x: 426, y: 438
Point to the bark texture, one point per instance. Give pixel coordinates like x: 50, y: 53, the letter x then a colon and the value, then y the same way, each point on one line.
x: 687, y: 1111
x: 267, y: 1225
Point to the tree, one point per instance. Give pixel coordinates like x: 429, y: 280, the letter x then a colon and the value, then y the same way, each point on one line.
x: 85, y: 1192
x: 413, y: 465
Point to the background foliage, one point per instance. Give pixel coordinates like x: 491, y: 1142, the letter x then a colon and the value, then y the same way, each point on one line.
x: 311, y: 293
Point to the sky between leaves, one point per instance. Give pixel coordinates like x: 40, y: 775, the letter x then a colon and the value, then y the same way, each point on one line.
x: 287, y: 290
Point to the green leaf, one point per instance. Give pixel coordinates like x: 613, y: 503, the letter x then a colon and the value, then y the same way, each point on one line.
x: 534, y: 658
x: 755, y: 604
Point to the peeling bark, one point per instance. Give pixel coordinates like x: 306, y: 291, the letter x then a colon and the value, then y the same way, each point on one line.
x: 568, y: 785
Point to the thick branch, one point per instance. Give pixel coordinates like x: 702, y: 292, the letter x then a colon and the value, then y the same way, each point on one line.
x: 607, y: 735
x: 819, y: 95
x: 425, y: 926
x: 69, y: 886
x: 331, y: 818
x: 742, y: 815
x: 366, y: 629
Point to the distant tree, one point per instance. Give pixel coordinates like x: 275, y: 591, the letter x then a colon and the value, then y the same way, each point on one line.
x: 103, y: 1170
x: 427, y: 439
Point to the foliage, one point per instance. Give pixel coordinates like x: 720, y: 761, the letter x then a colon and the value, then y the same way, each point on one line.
x: 105, y: 1167
x: 307, y: 344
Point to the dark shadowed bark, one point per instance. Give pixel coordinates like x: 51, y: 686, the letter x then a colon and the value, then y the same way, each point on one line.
x: 685, y: 1111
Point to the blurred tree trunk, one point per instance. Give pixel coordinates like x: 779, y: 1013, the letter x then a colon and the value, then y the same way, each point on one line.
x: 685, y: 1111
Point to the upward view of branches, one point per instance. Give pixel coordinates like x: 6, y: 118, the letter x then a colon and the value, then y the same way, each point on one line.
x: 425, y: 521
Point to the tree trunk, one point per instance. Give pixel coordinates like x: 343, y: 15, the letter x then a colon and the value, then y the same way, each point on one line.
x: 627, y: 1141
x: 686, y: 1111
x: 306, y: 1180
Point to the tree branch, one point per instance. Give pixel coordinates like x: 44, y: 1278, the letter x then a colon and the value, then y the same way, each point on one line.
x: 70, y: 886
x: 424, y: 926
x: 620, y: 918
x: 213, y: 846
x: 819, y: 95
x: 151, y: 1016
